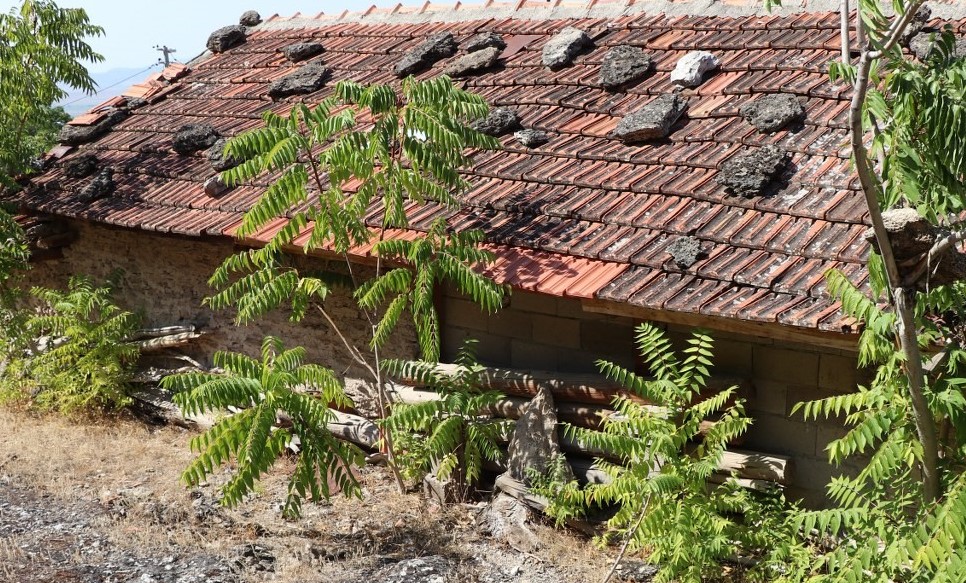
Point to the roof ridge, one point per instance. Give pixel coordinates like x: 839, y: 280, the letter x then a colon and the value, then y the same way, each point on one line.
x: 547, y: 10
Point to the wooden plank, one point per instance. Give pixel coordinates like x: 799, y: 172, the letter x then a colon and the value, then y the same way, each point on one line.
x: 775, y: 331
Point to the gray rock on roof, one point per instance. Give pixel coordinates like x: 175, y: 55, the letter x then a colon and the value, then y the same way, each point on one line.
x: 102, y: 185
x: 193, y: 137
x: 81, y: 166
x: 685, y: 251
x: 773, y: 112
x: 250, y: 18
x: 692, y: 68
x: 531, y: 138
x: 624, y: 64
x: 473, y: 62
x: 561, y: 50
x: 302, y: 51
x: 225, y: 38
x: 425, y: 54
x: 485, y: 40
x: 751, y: 174
x: 653, y: 121
x: 923, y: 44
x: 307, y: 79
x: 72, y: 135
x: 217, y: 158
x: 498, y: 122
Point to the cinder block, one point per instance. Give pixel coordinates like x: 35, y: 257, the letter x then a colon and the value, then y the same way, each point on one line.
x: 531, y: 302
x: 556, y: 331
x: 838, y: 373
x: 608, y: 340
x: 779, y: 364
x: 777, y: 434
x: 732, y: 357
x: 490, y: 350
x: 768, y: 397
x: 533, y: 356
x: 583, y: 361
x: 463, y: 314
x: 510, y: 323
x: 571, y: 308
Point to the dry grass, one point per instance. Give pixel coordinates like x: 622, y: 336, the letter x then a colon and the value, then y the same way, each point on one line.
x: 132, y: 471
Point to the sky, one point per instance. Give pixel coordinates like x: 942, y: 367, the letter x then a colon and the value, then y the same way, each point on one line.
x: 133, y: 28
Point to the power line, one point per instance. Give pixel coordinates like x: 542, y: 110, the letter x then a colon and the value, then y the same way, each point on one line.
x: 111, y: 86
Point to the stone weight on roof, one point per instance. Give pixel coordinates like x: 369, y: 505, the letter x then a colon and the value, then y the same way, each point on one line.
x: 692, y: 68
x: 215, y: 186
x: 75, y: 135
x: 624, y: 64
x: 250, y: 18
x: 653, y: 121
x: 219, y: 161
x: 561, y: 50
x: 499, y: 122
x: 485, y: 40
x: 225, y: 38
x: 774, y: 112
x: 308, y: 79
x: 685, y: 251
x: 302, y: 51
x: 81, y: 166
x: 531, y: 138
x: 193, y: 137
x: 425, y: 54
x: 923, y: 44
x: 102, y: 185
x: 918, y: 22
x: 473, y: 62
x: 751, y: 174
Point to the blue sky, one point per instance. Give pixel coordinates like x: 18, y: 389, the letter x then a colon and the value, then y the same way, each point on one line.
x: 133, y: 28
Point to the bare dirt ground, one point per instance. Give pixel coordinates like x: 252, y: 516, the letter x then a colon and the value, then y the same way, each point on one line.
x: 100, y: 502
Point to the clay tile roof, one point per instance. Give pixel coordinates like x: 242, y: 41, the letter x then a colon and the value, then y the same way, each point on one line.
x: 584, y: 215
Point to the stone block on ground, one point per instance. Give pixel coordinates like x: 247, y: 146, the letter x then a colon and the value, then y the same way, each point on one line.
x: 500, y: 121
x: 752, y: 174
x: 692, y: 69
x: 81, y: 166
x: 301, y: 51
x: 653, y: 121
x: 561, y: 50
x: 473, y: 62
x: 193, y: 137
x: 307, y: 79
x: 425, y: 54
x: 624, y: 64
x: 535, y: 443
x: 484, y: 40
x: 773, y: 112
x: 225, y: 38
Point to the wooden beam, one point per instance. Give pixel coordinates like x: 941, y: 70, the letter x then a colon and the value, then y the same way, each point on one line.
x: 775, y: 331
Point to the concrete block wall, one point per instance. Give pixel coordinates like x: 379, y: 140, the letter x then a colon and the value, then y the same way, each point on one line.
x: 535, y: 331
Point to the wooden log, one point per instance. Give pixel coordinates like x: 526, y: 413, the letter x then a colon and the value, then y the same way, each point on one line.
x: 162, y: 331
x: 758, y: 466
x: 169, y: 341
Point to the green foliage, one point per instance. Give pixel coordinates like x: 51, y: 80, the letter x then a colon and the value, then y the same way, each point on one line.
x: 659, y: 481
x: 454, y: 435
x: 331, y: 174
x: 279, y: 382
x: 41, y: 50
x: 80, y: 358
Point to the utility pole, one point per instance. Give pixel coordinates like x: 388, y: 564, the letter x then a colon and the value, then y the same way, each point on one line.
x: 167, y: 52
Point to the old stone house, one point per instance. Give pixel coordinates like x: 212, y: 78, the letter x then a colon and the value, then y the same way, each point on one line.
x: 710, y: 198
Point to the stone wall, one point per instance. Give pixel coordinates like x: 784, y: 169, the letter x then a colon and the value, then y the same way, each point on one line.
x: 165, y: 278
x: 549, y: 333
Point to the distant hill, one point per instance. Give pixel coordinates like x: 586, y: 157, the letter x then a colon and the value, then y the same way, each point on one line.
x: 109, y: 84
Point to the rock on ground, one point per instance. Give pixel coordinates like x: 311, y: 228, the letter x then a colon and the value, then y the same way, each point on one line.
x: 307, y: 79
x: 81, y: 166
x: 535, y: 443
x: 561, y: 50
x: 302, y: 51
x: 225, y: 38
x: 653, y: 121
x: 531, y: 138
x: 74, y: 135
x: 193, y: 137
x: 473, y: 62
x: 250, y: 18
x: 505, y: 519
x: 624, y: 64
x: 751, y: 174
x: 432, y: 569
x: 498, y: 122
x: 691, y: 69
x: 773, y: 112
x: 484, y: 40
x: 425, y: 54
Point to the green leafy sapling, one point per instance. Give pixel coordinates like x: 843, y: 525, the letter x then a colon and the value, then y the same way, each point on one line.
x: 261, y: 390
x: 452, y: 436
